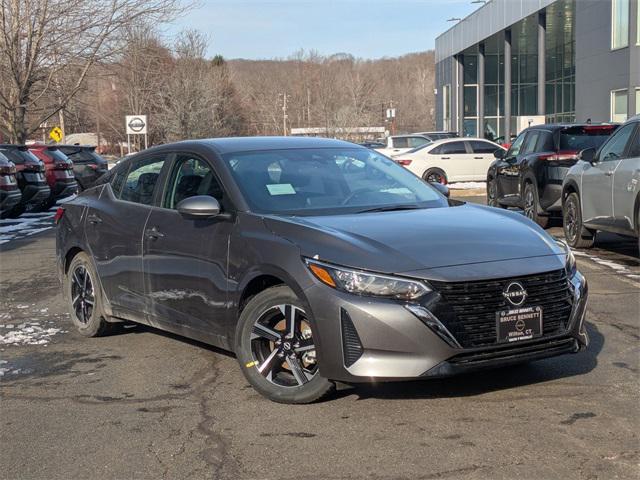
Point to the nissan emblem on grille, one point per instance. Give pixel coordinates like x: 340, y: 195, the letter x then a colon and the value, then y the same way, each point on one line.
x: 515, y: 294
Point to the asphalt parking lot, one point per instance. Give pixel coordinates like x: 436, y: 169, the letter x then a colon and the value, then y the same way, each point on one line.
x: 146, y: 404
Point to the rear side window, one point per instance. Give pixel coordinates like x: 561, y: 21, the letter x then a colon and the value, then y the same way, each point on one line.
x: 545, y: 142
x: 450, y: 148
x: 482, y: 147
x: 581, y: 137
x: 417, y: 141
x: 141, y: 180
x: 401, y: 142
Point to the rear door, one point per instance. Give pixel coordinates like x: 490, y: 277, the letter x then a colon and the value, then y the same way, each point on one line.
x: 185, y: 259
x: 114, y: 226
x: 482, y: 157
x: 453, y: 158
x: 597, y: 179
x: 626, y: 185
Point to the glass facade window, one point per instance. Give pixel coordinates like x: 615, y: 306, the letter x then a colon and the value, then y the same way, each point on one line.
x: 619, y: 23
x: 560, y: 62
x: 524, y: 67
x: 446, y: 107
x: 470, y: 91
x: 493, y: 87
x: 638, y: 98
x: 619, y: 102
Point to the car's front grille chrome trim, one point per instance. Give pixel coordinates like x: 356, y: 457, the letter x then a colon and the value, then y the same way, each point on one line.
x: 434, y: 324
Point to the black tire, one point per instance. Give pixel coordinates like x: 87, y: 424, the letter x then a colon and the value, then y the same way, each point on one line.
x: 267, y: 360
x: 88, y: 319
x: 492, y: 193
x: 531, y: 205
x: 435, y: 175
x: 576, y: 235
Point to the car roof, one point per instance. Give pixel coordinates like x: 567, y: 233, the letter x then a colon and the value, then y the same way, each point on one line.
x: 459, y: 139
x: 552, y: 127
x: 249, y: 144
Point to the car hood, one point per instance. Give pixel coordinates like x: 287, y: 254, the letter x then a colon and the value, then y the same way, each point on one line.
x: 415, y: 240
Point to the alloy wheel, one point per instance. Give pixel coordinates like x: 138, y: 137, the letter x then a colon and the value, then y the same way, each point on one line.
x: 529, y: 204
x: 82, y: 294
x: 571, y: 222
x: 282, y: 346
x: 435, y: 177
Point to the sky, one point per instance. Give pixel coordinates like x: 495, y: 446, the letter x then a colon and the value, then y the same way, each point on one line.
x: 260, y: 29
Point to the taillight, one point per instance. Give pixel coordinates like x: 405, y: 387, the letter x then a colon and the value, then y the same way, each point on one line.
x: 8, y: 169
x: 560, y: 156
x: 58, y: 216
x: 404, y: 163
x: 63, y: 166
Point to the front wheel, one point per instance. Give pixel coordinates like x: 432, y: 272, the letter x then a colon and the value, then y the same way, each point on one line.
x: 531, y: 206
x: 492, y: 193
x: 576, y: 235
x: 275, y: 348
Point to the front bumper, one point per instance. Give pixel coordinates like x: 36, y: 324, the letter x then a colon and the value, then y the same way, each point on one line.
x: 394, y: 344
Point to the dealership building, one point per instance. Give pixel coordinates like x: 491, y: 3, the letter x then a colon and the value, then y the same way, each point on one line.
x: 513, y: 63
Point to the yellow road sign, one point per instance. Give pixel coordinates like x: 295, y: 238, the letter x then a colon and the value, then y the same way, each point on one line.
x: 55, y: 134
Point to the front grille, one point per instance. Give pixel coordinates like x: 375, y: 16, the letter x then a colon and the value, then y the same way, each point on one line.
x: 468, y: 309
x: 351, y: 345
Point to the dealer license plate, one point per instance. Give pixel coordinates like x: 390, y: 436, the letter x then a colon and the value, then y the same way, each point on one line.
x: 519, y: 324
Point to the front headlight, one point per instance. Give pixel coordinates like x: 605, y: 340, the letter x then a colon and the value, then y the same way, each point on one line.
x: 570, y: 265
x: 365, y: 283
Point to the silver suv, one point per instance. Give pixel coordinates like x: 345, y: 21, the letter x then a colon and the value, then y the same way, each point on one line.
x: 602, y: 191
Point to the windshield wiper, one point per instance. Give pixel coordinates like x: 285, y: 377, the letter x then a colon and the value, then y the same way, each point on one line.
x: 390, y: 208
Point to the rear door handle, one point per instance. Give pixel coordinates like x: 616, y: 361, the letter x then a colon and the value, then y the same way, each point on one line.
x: 94, y: 219
x: 477, y: 158
x: 445, y: 158
x: 153, y: 233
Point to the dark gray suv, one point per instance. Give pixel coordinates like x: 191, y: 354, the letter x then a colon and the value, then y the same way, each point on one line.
x: 315, y: 261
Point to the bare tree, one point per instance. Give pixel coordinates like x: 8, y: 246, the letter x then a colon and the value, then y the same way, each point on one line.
x: 47, y: 48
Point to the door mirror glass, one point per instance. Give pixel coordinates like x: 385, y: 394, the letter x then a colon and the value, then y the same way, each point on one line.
x: 588, y: 155
x: 202, y: 206
x: 499, y: 153
x: 443, y: 189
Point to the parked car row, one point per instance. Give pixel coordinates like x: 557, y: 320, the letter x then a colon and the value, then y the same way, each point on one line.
x: 34, y: 177
x: 397, y: 144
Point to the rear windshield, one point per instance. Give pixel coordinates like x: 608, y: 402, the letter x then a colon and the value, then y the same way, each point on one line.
x: 579, y: 138
x: 82, y: 156
x: 20, y: 156
x: 58, y: 155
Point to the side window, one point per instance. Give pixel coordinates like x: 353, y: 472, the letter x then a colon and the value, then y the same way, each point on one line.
x: 530, y: 143
x: 401, y: 142
x: 634, y: 148
x: 452, y: 148
x: 141, y: 180
x: 190, y: 176
x: 516, y: 146
x: 545, y: 142
x: 417, y: 141
x: 482, y: 147
x: 614, y: 148
x: 118, y: 180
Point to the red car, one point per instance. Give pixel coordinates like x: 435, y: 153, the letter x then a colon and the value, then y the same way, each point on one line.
x: 10, y: 194
x: 58, y: 171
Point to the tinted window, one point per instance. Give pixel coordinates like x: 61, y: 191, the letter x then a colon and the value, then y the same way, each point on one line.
x: 328, y: 180
x: 117, y: 180
x: 514, y: 150
x: 191, y: 176
x: 57, y: 155
x: 450, y: 148
x: 141, y: 180
x: 530, y: 143
x: 482, y: 147
x: 634, y: 148
x: 614, y: 149
x: 401, y: 142
x: 579, y: 138
x: 545, y: 142
x: 20, y: 156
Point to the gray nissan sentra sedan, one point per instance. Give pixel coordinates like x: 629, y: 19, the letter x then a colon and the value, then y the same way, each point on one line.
x: 315, y: 261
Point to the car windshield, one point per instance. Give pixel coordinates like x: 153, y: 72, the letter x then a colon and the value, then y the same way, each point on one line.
x: 327, y: 181
x: 589, y: 136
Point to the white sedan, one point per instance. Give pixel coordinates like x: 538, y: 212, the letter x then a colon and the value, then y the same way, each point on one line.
x: 450, y: 160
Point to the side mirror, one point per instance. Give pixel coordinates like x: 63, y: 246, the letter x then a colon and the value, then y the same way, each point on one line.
x: 199, y: 206
x: 588, y: 155
x: 443, y: 189
x: 499, y: 153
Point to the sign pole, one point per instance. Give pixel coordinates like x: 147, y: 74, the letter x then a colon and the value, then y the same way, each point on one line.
x: 129, y: 144
x: 145, y: 142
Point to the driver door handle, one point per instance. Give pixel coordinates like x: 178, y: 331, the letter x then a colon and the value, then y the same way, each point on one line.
x: 94, y: 219
x: 153, y: 233
x: 477, y: 158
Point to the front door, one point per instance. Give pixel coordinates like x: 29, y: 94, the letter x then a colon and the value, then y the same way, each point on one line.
x: 508, y: 173
x: 597, y: 179
x: 114, y: 226
x: 626, y: 185
x: 185, y: 259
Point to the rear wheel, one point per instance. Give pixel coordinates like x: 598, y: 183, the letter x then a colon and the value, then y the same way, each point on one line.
x: 275, y: 348
x: 531, y: 206
x: 576, y: 235
x: 84, y: 298
x: 435, y: 175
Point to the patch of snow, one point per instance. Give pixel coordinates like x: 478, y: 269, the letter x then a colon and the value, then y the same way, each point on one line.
x: 28, y: 334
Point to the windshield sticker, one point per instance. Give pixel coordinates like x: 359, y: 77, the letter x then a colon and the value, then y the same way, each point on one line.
x: 398, y: 191
x: 281, y: 189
